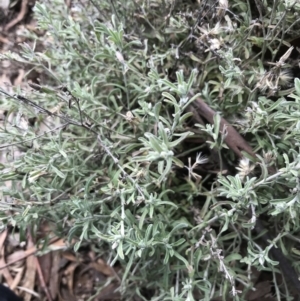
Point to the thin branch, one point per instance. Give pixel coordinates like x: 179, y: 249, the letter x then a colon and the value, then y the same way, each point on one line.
x: 81, y: 124
x: 34, y: 138
x: 29, y: 102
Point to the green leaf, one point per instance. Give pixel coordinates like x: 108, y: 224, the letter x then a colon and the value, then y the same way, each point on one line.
x: 297, y: 85
x: 58, y: 172
x: 120, y: 250
x: 233, y: 257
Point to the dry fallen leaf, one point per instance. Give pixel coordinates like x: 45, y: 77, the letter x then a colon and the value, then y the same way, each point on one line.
x: 102, y: 267
x: 54, y: 274
x: 29, y: 279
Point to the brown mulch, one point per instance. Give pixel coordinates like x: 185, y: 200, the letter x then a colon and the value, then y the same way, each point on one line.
x: 59, y: 274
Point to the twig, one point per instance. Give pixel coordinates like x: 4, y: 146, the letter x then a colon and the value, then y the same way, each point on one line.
x: 27, y: 101
x: 233, y: 139
x: 19, y: 17
x: 36, y: 137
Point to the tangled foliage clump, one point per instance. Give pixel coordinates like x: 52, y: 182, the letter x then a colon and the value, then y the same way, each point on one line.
x: 110, y: 153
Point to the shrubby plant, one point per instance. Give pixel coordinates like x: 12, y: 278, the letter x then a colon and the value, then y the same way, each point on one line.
x: 112, y: 160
